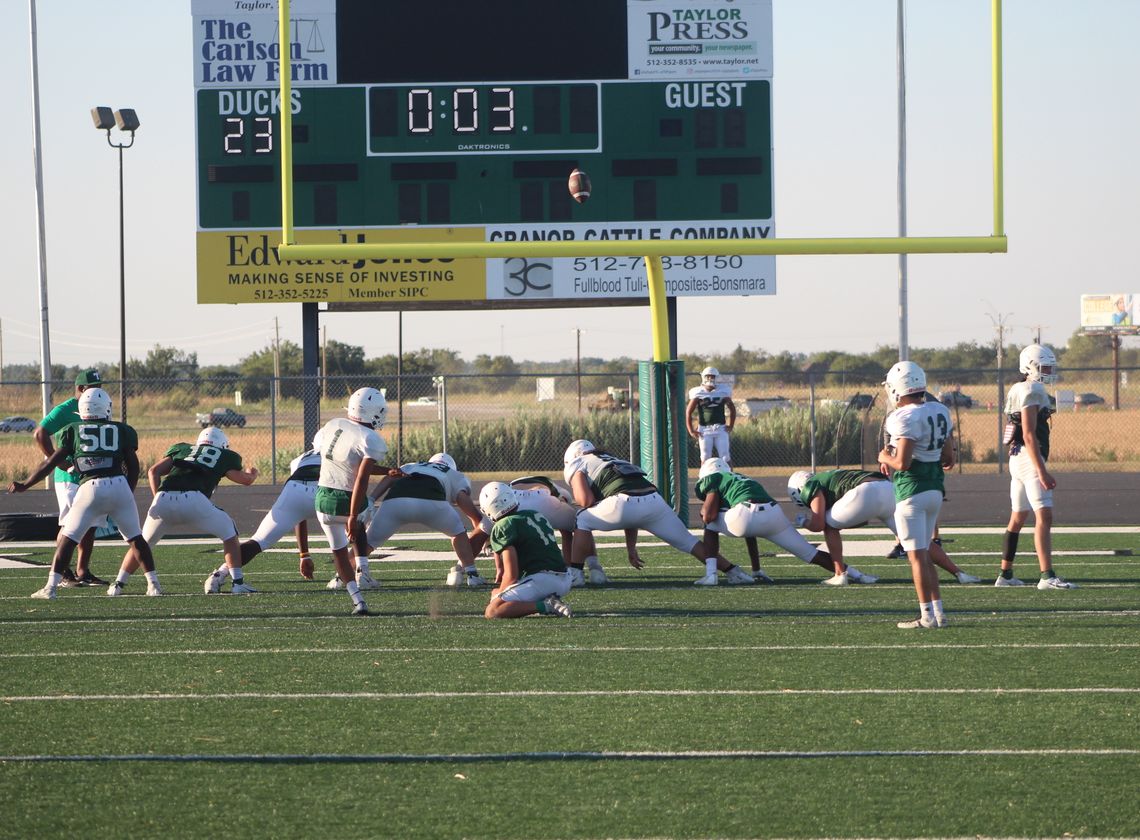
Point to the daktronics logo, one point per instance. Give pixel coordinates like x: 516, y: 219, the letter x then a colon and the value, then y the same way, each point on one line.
x: 697, y: 25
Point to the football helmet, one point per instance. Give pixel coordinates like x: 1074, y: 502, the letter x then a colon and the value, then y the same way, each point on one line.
x: 213, y: 436
x: 796, y: 482
x: 368, y: 406
x: 903, y: 379
x: 1039, y: 364
x: 497, y: 499
x: 709, y: 375
x: 443, y: 458
x: 576, y: 450
x: 714, y: 465
x: 94, y: 404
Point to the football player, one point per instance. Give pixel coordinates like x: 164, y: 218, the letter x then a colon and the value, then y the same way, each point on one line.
x: 920, y: 449
x: 182, y: 484
x: 295, y: 504
x: 615, y: 495
x: 428, y: 493
x: 104, y: 458
x: 712, y: 408
x: 57, y: 419
x: 351, y: 452
x: 838, y: 499
x: 1028, y: 410
x: 534, y: 576
x: 539, y: 493
x: 739, y: 506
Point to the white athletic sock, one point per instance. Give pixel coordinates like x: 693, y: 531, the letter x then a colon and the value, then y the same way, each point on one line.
x: 222, y: 570
x: 354, y: 593
x: 362, y: 564
x: 592, y: 562
x: 54, y: 579
x: 121, y: 577
x: 152, y: 577
x: 710, y: 566
x: 927, y: 611
x: 937, y: 607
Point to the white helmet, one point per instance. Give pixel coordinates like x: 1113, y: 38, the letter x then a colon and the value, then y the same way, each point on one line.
x: 497, y: 499
x: 213, y: 436
x: 369, y: 407
x: 709, y: 375
x: 796, y: 482
x: 903, y: 379
x: 1033, y: 363
x: 95, y: 404
x: 714, y: 465
x: 576, y: 450
x: 443, y: 458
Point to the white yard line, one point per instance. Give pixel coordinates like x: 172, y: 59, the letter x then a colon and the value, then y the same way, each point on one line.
x: 475, y: 695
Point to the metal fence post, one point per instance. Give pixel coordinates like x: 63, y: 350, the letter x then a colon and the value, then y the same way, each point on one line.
x: 629, y: 413
x: 273, y: 386
x: 443, y: 410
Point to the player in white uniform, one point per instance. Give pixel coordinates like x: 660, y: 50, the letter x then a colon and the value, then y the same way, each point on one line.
x: 105, y: 465
x: 351, y: 452
x: 428, y: 493
x: 920, y: 447
x: 1028, y: 410
x: 615, y: 495
x: 540, y: 494
x: 715, y: 415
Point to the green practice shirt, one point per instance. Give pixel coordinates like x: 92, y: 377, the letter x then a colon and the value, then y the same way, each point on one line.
x: 835, y: 484
x: 532, y: 537
x: 198, y: 467
x: 733, y: 489
x: 98, y: 448
x: 58, y: 419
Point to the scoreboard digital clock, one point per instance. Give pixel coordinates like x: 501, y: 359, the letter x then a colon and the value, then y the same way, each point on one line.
x: 430, y: 119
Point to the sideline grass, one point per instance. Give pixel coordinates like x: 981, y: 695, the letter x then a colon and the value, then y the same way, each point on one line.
x: 279, y: 715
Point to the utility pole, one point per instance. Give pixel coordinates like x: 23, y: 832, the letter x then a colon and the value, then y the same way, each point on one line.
x: 324, y: 361
x: 578, y: 364
x: 277, y: 358
x: 999, y: 322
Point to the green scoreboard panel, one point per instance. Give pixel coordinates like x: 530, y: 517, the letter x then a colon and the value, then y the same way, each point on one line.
x: 468, y: 121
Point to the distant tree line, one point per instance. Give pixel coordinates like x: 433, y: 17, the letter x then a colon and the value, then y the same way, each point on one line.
x: 347, y: 360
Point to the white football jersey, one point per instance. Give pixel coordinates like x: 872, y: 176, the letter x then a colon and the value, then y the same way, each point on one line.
x: 719, y: 393
x: 342, y: 445
x: 927, y: 424
x: 453, y: 481
x: 1024, y: 394
x: 311, y: 458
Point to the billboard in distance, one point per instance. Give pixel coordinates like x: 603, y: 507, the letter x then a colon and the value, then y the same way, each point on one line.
x: 1118, y: 312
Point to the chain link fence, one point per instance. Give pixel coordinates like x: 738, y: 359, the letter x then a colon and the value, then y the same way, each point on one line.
x: 521, y: 423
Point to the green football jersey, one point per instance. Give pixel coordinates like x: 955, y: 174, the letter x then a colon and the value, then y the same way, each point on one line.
x: 733, y: 489
x: 834, y: 484
x: 98, y: 448
x: 198, y: 467
x: 58, y: 419
x: 532, y: 537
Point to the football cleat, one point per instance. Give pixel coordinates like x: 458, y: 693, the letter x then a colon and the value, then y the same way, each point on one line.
x: 556, y: 606
x: 473, y: 579
x: 857, y: 576
x: 69, y: 579
x: 896, y: 552
x: 1008, y: 581
x: 115, y: 589
x: 365, y: 580
x: 88, y: 579
x: 707, y: 580
x: 919, y: 623
x: 45, y: 594
x: 153, y: 589
x: 840, y: 579
x: 1055, y: 583
x: 761, y: 576
x: 455, y: 576
x: 213, y: 584
x: 240, y: 588
x: 966, y: 577
x: 361, y: 609
x: 335, y: 583
x: 736, y: 576
x: 577, y: 578
x: 598, y: 576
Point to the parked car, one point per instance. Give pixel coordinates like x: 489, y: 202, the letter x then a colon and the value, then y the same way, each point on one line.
x: 221, y: 417
x: 424, y: 401
x: 956, y: 398
x: 860, y: 401
x: 24, y: 424
x: 1088, y: 399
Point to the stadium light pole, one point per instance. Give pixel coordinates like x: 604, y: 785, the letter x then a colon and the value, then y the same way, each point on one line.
x: 126, y: 120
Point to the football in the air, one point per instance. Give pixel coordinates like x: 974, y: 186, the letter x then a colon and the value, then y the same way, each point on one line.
x: 579, y: 186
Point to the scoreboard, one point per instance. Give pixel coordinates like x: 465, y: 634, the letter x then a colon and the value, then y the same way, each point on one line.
x: 431, y: 120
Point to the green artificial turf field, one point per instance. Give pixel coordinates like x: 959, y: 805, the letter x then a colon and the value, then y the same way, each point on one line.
x: 659, y: 710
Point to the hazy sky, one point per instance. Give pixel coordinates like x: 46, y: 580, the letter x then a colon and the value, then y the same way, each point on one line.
x: 1072, y: 131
